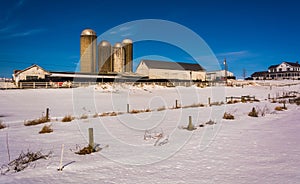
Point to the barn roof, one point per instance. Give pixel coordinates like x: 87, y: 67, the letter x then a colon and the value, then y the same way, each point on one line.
x: 273, y: 66
x: 258, y: 74
x: 154, y: 64
x: 35, y: 65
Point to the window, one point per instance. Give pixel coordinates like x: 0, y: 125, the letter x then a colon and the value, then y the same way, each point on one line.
x: 288, y: 69
x: 280, y: 69
x: 30, y: 77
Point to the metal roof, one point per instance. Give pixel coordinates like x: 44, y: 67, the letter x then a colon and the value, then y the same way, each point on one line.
x: 261, y: 73
x: 88, y: 32
x: 34, y: 65
x: 296, y: 64
x: 273, y: 66
x: 172, y: 65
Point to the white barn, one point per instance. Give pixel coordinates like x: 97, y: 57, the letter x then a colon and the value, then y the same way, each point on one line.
x: 218, y: 75
x: 170, y: 70
x: 33, y: 72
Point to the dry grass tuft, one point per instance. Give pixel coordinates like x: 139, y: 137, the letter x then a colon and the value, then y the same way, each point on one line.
x: 161, y: 108
x: 46, y: 129
x: 210, y: 122
x: 23, y: 161
x: 194, y: 105
x: 233, y: 101
x: 253, y: 113
x: 109, y: 114
x: 36, y: 121
x: 85, y: 150
x: 96, y: 115
x: 134, y: 111
x: 84, y: 116
x: 147, y: 110
x: 216, y: 103
x: 228, y: 116
x: 2, y: 125
x: 113, y: 114
x: 68, y: 118
x: 280, y: 108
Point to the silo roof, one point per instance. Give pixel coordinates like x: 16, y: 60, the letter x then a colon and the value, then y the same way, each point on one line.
x: 104, y: 43
x: 88, y: 32
x: 126, y: 41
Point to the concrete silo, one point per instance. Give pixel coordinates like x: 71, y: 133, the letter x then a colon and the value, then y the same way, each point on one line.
x: 88, y: 51
x: 105, y: 63
x: 118, y: 58
x: 128, y: 47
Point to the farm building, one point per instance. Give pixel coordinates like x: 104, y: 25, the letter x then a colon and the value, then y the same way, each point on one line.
x: 218, y: 75
x: 171, y: 70
x: 32, y: 73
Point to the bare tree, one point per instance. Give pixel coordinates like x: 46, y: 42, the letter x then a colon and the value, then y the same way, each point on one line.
x: 244, y: 73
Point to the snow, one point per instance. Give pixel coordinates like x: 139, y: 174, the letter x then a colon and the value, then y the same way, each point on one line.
x: 244, y: 150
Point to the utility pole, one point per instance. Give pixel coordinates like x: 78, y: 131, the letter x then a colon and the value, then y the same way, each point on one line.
x: 225, y: 68
x: 244, y: 73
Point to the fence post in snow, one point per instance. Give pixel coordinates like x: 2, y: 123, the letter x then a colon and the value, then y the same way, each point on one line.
x: 47, y: 114
x: 128, y: 108
x: 190, y: 126
x: 91, y: 137
x: 208, y: 101
x: 61, y: 167
x: 176, y: 104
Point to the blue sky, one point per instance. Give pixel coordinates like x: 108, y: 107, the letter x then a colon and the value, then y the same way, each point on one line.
x: 251, y: 34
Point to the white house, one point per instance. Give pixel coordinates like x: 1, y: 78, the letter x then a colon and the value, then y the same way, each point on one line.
x: 218, y: 75
x: 33, y: 72
x: 285, y: 70
x: 170, y: 70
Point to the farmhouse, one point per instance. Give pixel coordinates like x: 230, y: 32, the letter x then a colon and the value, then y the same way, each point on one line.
x: 285, y: 70
x: 171, y: 70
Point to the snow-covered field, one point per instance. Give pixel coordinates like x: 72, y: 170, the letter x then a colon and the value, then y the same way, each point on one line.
x: 262, y: 149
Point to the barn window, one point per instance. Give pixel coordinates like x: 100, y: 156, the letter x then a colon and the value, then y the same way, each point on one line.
x: 31, y: 77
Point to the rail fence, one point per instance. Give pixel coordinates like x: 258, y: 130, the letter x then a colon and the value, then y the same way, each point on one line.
x: 37, y: 85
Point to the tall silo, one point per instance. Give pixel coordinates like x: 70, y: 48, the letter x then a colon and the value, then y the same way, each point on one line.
x: 105, y: 64
x: 118, y: 58
x: 128, y: 47
x: 88, y: 51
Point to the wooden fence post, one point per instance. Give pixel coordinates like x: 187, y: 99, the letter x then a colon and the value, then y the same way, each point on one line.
x: 128, y: 108
x: 176, y: 105
x: 47, y: 114
x: 60, y: 168
x: 91, y: 137
x: 190, y: 126
x: 208, y: 101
